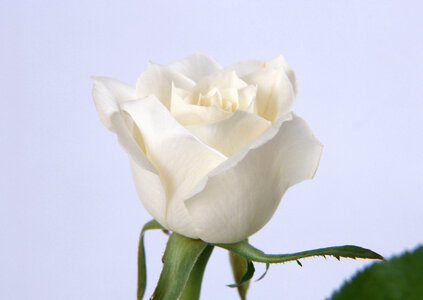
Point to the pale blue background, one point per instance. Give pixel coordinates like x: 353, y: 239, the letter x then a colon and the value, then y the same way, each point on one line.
x: 69, y: 214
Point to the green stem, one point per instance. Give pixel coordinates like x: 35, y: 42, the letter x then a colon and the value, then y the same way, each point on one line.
x: 193, y: 287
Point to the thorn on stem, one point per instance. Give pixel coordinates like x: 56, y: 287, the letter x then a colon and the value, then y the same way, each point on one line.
x: 299, y: 263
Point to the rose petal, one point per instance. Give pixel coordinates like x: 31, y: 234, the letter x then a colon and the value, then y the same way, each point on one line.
x: 244, y: 68
x: 230, y: 135
x: 247, y: 98
x: 150, y: 191
x: 157, y: 80
x: 196, y: 66
x: 181, y: 159
x: 108, y: 94
x: 266, y: 136
x: 281, y: 62
x: 275, y: 93
x: 189, y: 114
x: 222, y: 80
x: 238, y: 200
x: 144, y: 173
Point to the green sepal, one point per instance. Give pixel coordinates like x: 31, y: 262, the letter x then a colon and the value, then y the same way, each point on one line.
x: 142, y: 273
x: 239, y: 267
x: 193, y: 287
x: 400, y: 277
x: 179, y: 260
x: 249, y: 252
x: 246, y: 277
x: 265, y: 272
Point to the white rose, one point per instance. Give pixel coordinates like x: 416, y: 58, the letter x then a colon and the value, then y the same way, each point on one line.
x: 212, y: 150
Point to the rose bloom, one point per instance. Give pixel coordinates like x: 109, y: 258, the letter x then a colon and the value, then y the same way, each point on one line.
x: 212, y: 150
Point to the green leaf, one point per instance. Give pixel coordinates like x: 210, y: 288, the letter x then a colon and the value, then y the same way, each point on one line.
x: 179, y: 259
x: 142, y: 273
x: 398, y: 278
x: 247, y: 251
x: 239, y: 267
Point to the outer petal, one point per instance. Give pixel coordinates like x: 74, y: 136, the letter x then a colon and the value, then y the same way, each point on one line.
x: 230, y: 135
x: 237, y: 201
x: 196, y: 66
x: 108, y: 94
x: 157, y: 80
x: 181, y: 159
x: 150, y: 191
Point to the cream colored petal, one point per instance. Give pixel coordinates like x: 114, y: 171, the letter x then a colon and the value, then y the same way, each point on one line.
x: 150, y: 191
x: 214, y: 97
x: 275, y: 94
x: 247, y: 97
x: 230, y: 99
x: 108, y: 93
x: 189, y: 114
x: 238, y: 199
x: 222, y: 80
x: 147, y: 181
x: 244, y: 68
x: 281, y: 62
x: 157, y: 80
x: 181, y: 159
x: 230, y: 135
x: 196, y: 66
